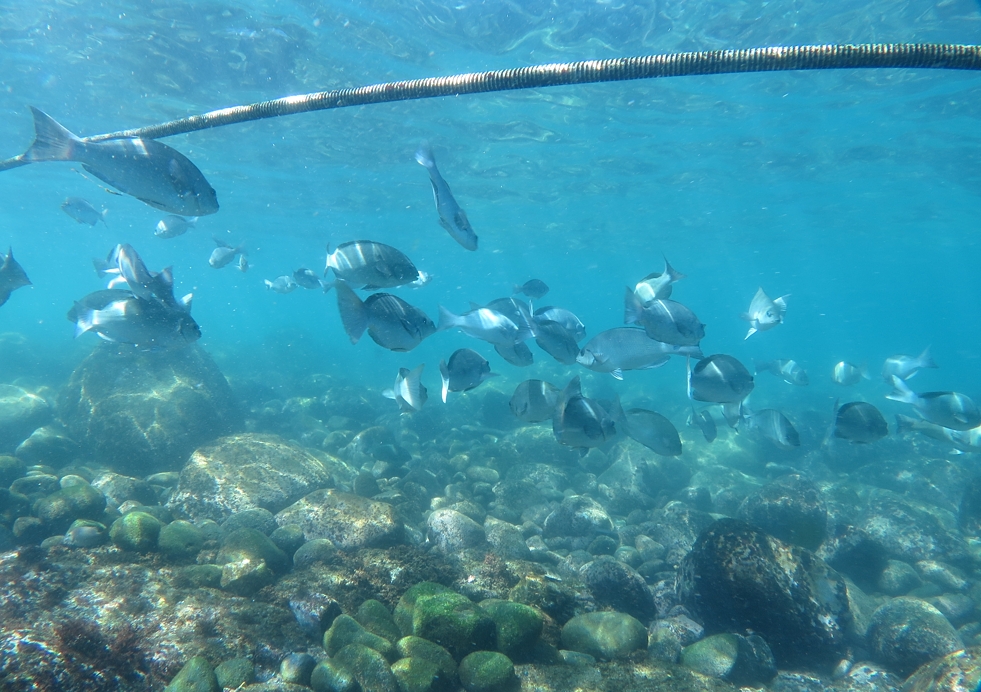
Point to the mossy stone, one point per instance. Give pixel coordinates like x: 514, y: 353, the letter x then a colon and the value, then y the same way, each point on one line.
x: 374, y: 617
x: 203, y: 576
x: 196, y: 676
x: 297, y: 668
x: 312, y: 552
x: 518, y: 626
x: 454, y: 622
x: 288, y: 538
x: 604, y: 635
x: 11, y: 468
x: 12, y: 505
x: 405, y: 608
x: 246, y: 576
x: 487, y: 671
x: 254, y: 545
x: 234, y: 673
x: 59, y: 509
x: 740, y: 660
x: 327, y: 676
x: 368, y: 667
x: 417, y: 647
x: 257, y: 518
x: 416, y: 675
x: 135, y: 531
x: 180, y: 539
x: 345, y: 631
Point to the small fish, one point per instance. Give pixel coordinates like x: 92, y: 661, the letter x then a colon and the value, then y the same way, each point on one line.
x: 145, y: 324
x: 719, y: 379
x: 172, y: 226
x: 519, y: 354
x: 368, y: 265
x: 664, y: 320
x: 556, y: 341
x: 146, y: 169
x: 764, y: 313
x: 12, y: 276
x: 572, y: 324
x: 847, y: 374
x: 533, y: 288
x: 243, y: 265
x: 654, y: 431
x: 451, y: 216
x: 282, y: 284
x: 858, y: 422
x: 581, y: 422
x: 787, y: 370
x: 390, y: 321
x: 657, y: 286
x: 125, y: 263
x: 950, y: 409
x: 964, y: 441
x: 774, y: 426
x: 408, y: 392
x: 533, y: 401
x: 905, y: 367
x: 224, y: 254
x: 465, y: 370
x: 703, y: 421
x: 83, y: 212
x: 628, y: 348
x: 485, y: 324
x: 307, y: 278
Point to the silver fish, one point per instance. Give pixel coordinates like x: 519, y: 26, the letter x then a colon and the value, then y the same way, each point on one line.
x: 282, y: 284
x: 581, y: 422
x: 145, y: 324
x: 12, y: 276
x: 719, y: 379
x: 950, y: 409
x: 533, y: 401
x: 172, y: 226
x: 369, y: 265
x: 764, y: 313
x: 664, y: 320
x: 657, y: 286
x: 654, y: 431
x: 567, y: 319
x: 628, y: 348
x: 243, y: 265
x: 451, y: 216
x: 963, y: 441
x: 307, y: 278
x: 485, y: 324
x: 858, y: 422
x: 408, y: 392
x: 224, y: 254
x: 518, y: 354
x: 905, y: 367
x: 774, y: 426
x: 390, y: 321
x: 144, y: 168
x: 556, y: 341
x: 533, y: 288
x: 515, y: 309
x: 465, y: 370
x: 847, y: 374
x: 787, y: 370
x: 83, y: 212
x: 703, y: 421
x: 128, y: 268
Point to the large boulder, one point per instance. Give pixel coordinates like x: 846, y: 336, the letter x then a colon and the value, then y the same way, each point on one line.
x: 143, y: 413
x: 20, y: 413
x: 738, y: 578
x: 911, y: 531
x: 790, y: 508
x: 349, y: 521
x: 955, y: 672
x: 242, y: 472
x: 906, y: 633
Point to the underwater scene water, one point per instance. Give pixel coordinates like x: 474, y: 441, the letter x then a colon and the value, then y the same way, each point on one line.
x: 221, y: 493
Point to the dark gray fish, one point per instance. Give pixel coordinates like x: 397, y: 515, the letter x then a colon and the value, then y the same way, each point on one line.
x: 282, y: 284
x: 390, y: 321
x: 144, y: 168
x: 513, y: 308
x: 368, y: 265
x: 451, y: 216
x: 581, y: 422
x: 764, y: 313
x: 847, y: 374
x: 408, y: 392
x: 628, y: 348
x: 950, y: 409
x: 654, y: 431
x: 859, y: 422
x: 485, y: 324
x: 567, y: 319
x: 963, y: 441
x: 556, y: 341
x: 172, y: 226
x: 127, y: 268
x: 12, y: 276
x: 83, y: 212
x: 533, y: 288
x: 787, y: 370
x: 703, y: 421
x: 145, y: 324
x: 307, y: 278
x: 905, y: 367
x: 519, y: 354
x: 719, y: 379
x: 533, y: 401
x: 465, y: 370
x: 97, y: 300
x: 775, y: 426
x: 224, y: 254
x: 657, y: 285
x: 664, y: 320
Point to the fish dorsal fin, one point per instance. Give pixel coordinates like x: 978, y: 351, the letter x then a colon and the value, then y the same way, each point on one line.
x: 186, y: 301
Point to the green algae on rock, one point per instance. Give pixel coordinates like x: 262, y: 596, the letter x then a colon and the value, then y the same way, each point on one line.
x: 137, y: 531
x: 419, y: 648
x: 441, y: 615
x: 328, y: 676
x: 348, y: 521
x: 487, y: 671
x: 197, y: 675
x: 906, y: 633
x: 368, y: 667
x: 180, y: 539
x: 254, y: 545
x: 417, y: 675
x: 375, y: 617
x: 518, y: 627
x: 346, y: 630
x: 740, y: 660
x: 64, y: 506
x: 235, y: 672
x: 604, y: 635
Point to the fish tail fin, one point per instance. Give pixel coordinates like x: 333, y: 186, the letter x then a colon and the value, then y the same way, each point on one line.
x: 830, y: 435
x: 388, y: 393
x: 192, y: 220
x: 632, y: 307
x: 85, y: 320
x: 327, y: 285
x: 354, y: 317
x: 671, y: 272
x: 52, y: 142
x: 760, y: 366
x: 863, y: 371
x: 926, y: 360
x: 413, y: 382
x: 901, y: 392
x: 445, y: 376
x: 904, y: 424
x: 424, y: 155
x: 752, y: 330
x: 447, y: 320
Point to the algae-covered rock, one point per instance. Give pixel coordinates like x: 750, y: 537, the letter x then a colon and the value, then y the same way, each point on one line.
x: 906, y: 632
x: 578, y: 516
x: 49, y: 444
x: 328, y: 676
x: 368, y: 667
x: 790, y: 508
x: 419, y: 648
x: 180, y: 539
x: 740, y: 660
x: 487, y: 671
x: 258, y: 518
x: 21, y: 412
x: 416, y: 675
x: 348, y: 521
x: 149, y: 420
x: 620, y: 587
x: 450, y: 531
x: 137, y: 531
x: 288, y: 538
x: 604, y: 635
x: 242, y: 472
x: 254, y: 545
x: 11, y: 468
x: 64, y: 506
x: 312, y: 552
x: 197, y: 675
x: 959, y: 671
x: 202, y: 576
x: 518, y: 626
x: 245, y: 576
x: 506, y: 540
x: 443, y: 616
x: 374, y: 617
x: 297, y: 668
x: 234, y: 673
x: 346, y: 630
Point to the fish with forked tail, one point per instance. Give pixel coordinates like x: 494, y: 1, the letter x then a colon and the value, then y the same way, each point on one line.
x: 764, y: 313
x: 451, y: 216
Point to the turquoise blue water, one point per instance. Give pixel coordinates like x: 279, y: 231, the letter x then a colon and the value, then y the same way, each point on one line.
x: 856, y: 192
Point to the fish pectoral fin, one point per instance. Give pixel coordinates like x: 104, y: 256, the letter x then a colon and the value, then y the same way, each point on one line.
x: 752, y: 330
x: 617, y: 374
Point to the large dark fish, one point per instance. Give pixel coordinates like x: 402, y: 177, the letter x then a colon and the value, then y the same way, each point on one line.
x: 517, y: 354
x: 556, y: 341
x: 145, y: 324
x: 408, y: 392
x: 12, y: 276
x: 390, y: 321
x: 764, y: 313
x: 143, y: 168
x: 83, y: 212
x: 465, y: 370
x: 533, y: 401
x: 950, y: 409
x: 628, y: 348
x: 654, y: 431
x: 858, y: 422
x: 581, y: 422
x: 719, y: 379
x: 451, y: 216
x: 567, y: 319
x: 368, y: 265
x: 664, y: 320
